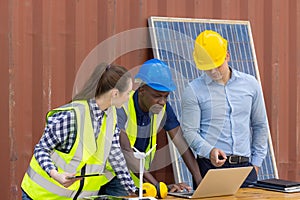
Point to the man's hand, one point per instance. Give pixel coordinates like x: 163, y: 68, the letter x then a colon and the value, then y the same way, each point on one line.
x: 217, y: 157
x: 179, y: 187
x: 256, y: 169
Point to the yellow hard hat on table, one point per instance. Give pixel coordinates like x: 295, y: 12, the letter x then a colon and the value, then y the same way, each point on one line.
x: 210, y: 50
x: 160, y: 190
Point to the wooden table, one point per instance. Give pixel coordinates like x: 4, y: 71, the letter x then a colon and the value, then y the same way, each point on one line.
x: 253, y: 193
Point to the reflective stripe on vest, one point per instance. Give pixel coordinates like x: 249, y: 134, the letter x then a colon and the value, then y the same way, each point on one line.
x: 85, y: 152
x: 131, y: 130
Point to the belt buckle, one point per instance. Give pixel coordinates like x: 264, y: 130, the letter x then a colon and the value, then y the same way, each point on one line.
x: 233, y: 162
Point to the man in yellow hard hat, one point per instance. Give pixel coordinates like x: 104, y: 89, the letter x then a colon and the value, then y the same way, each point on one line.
x: 145, y: 114
x: 223, y: 114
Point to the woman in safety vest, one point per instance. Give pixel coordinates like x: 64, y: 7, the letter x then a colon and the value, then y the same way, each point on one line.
x: 79, y: 153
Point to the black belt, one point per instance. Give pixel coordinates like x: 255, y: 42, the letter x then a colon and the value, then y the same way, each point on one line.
x: 233, y: 159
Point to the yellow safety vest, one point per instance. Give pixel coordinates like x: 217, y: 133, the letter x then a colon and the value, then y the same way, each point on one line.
x: 131, y: 130
x: 87, y: 152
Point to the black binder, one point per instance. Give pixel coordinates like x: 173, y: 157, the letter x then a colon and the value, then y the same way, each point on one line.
x: 279, y: 185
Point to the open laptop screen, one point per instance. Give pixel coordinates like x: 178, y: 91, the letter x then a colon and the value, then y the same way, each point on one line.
x: 219, y: 182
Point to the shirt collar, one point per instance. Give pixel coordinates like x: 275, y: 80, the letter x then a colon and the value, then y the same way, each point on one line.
x: 234, y: 75
x: 209, y: 80
x: 97, y: 113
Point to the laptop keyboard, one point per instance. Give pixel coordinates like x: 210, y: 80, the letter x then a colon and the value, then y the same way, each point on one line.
x: 188, y: 193
x: 183, y: 193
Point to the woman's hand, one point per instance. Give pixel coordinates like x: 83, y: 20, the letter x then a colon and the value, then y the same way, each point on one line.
x: 64, y: 178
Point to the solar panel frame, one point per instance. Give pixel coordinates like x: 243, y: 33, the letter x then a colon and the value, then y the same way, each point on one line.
x: 173, y: 41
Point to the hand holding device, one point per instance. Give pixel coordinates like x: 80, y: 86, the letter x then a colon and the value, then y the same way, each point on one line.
x: 84, y: 175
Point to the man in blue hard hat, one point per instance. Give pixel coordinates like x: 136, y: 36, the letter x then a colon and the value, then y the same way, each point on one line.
x: 145, y: 114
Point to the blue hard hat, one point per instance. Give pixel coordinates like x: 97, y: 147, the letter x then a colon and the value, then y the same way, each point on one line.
x: 157, y: 75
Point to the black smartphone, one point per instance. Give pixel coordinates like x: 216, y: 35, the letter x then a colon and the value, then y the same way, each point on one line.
x: 84, y: 175
x: 220, y: 157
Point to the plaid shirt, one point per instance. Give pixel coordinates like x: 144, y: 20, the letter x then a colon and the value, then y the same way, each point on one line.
x: 60, y: 134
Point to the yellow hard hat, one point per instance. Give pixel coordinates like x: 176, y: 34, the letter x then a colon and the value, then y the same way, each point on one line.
x: 162, y: 190
x: 149, y: 190
x: 210, y: 50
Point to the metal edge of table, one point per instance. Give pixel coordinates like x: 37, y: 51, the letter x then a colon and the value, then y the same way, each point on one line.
x: 253, y: 193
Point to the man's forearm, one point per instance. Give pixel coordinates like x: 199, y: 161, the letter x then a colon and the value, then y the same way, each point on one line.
x: 192, y: 165
x: 186, y: 152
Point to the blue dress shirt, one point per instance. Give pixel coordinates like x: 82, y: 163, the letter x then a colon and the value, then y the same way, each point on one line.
x: 230, y: 117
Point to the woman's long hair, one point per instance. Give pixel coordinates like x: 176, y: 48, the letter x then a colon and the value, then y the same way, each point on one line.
x: 104, y: 78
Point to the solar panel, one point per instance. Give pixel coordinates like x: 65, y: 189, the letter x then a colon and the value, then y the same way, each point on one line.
x: 173, y: 42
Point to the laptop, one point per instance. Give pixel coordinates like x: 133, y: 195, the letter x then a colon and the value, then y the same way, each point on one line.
x: 218, y: 182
